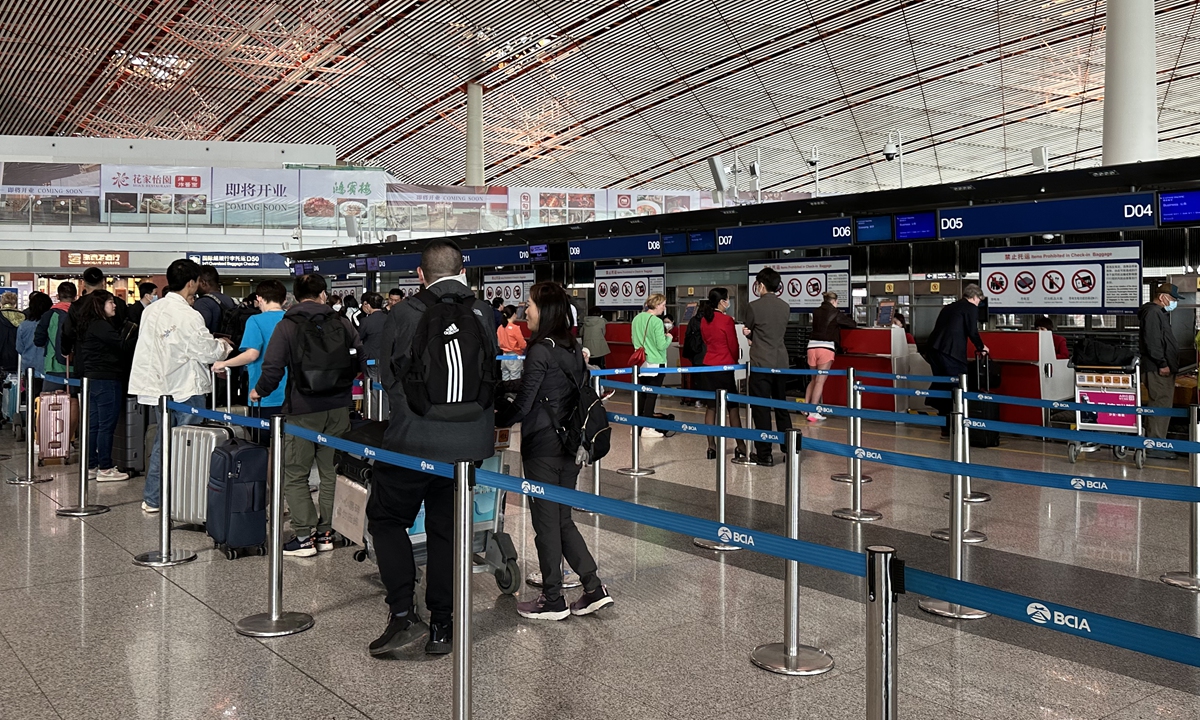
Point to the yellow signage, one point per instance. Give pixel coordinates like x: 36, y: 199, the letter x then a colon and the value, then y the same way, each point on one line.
x: 935, y: 287
x: 889, y: 288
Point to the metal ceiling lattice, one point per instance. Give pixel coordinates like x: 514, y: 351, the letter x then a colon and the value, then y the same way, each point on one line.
x: 595, y: 93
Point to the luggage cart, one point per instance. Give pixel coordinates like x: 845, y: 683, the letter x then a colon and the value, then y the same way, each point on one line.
x: 1106, y: 385
x: 493, y: 548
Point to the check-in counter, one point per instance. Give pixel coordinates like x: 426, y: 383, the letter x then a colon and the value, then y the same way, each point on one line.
x: 880, y: 350
x: 1027, y: 368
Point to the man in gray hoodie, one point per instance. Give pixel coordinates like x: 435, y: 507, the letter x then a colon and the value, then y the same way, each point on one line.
x: 397, y: 493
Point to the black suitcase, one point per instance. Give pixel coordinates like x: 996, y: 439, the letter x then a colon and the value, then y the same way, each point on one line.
x: 129, y: 439
x: 237, y: 497
x: 980, y: 378
x: 355, y: 467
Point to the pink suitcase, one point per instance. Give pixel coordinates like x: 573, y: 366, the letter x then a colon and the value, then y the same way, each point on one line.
x: 54, y: 424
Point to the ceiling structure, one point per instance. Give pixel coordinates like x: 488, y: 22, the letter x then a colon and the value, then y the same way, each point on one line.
x: 599, y: 93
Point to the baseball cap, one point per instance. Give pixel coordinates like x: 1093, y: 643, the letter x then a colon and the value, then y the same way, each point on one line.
x: 1169, y: 289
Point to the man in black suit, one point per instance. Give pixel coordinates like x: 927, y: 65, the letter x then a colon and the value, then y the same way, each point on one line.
x: 947, y: 352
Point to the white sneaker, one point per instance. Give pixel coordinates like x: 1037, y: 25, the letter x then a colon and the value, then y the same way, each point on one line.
x: 652, y: 433
x: 111, y: 475
x: 92, y: 473
x: 149, y: 508
x: 815, y: 417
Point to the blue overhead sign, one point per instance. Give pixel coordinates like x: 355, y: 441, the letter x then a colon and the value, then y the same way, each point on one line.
x: 1111, y: 212
x: 341, y: 266
x: 633, y: 246
x: 810, y: 233
x: 239, y: 260
x: 493, y: 256
x: 396, y: 263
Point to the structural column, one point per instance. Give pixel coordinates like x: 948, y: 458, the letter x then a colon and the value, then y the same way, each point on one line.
x: 1130, y: 92
x: 474, y: 134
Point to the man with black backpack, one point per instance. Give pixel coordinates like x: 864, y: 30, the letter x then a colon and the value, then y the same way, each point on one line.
x: 321, y: 354
x: 440, y: 370
x: 211, y: 303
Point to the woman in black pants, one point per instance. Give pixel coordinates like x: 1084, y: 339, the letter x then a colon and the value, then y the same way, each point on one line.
x: 554, y: 369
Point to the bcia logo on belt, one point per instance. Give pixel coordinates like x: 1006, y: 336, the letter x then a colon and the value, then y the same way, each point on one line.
x: 726, y: 535
x: 530, y: 489
x: 1041, y: 615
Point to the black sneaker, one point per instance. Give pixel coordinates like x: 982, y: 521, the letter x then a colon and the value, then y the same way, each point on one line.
x: 297, y: 547
x: 440, y: 636
x: 589, y: 603
x: 544, y: 609
x: 764, y: 460
x: 400, y: 631
x: 324, y: 541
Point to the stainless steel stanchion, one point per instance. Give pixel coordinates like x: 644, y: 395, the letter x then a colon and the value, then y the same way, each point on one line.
x: 790, y: 657
x: 596, y: 463
x: 882, y: 652
x: 968, y: 535
x: 275, y: 622
x: 464, y: 489
x: 722, y: 419
x: 1190, y: 579
x: 83, y: 509
x: 635, y: 433
x: 746, y: 459
x: 957, y: 547
x: 971, y: 496
x: 853, y: 433
x: 164, y: 556
x: 368, y: 397
x: 30, y: 477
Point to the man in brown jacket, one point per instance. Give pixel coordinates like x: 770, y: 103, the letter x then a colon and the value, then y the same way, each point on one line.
x: 766, y: 323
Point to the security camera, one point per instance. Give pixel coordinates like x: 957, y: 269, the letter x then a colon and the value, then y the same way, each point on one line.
x: 297, y: 233
x: 890, y: 151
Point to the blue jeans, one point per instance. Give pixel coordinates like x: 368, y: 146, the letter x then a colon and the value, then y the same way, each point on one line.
x: 104, y: 410
x: 151, y: 494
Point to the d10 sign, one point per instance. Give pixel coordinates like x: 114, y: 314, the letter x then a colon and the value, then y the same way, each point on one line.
x: 1090, y: 279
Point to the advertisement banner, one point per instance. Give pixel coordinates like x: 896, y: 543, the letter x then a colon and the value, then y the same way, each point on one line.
x: 330, y: 196
x: 627, y: 286
x: 512, y: 287
x: 1085, y: 279
x: 127, y: 191
x: 49, y: 179
x: 93, y: 258
x: 632, y: 203
x: 534, y: 207
x: 438, y: 209
x: 805, y: 281
x: 248, y: 196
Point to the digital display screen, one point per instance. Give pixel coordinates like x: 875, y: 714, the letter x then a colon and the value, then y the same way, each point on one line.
x: 539, y: 253
x: 302, y: 268
x: 366, y: 264
x: 674, y: 243
x: 916, y: 226
x: 703, y: 241
x: 1179, y: 207
x: 873, y: 229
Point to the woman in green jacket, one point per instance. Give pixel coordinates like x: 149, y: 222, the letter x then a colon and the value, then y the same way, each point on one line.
x: 647, y: 332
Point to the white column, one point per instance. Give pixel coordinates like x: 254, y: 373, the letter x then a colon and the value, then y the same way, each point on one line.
x: 475, y: 134
x: 1130, y: 92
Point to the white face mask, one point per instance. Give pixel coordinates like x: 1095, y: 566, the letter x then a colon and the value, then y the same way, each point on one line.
x: 337, y: 307
x: 668, y: 325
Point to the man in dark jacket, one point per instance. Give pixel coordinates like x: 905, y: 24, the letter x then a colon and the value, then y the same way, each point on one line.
x: 211, y: 303
x: 766, y: 323
x: 326, y: 411
x: 957, y: 323
x: 397, y: 493
x: 371, y: 326
x: 93, y: 280
x: 146, y: 294
x: 1159, y: 360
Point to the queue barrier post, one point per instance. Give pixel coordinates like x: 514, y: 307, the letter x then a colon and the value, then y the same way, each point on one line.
x: 856, y: 513
x: 368, y: 398
x: 464, y: 489
x: 635, y: 433
x: 275, y: 622
x: 164, y: 556
x: 83, y: 509
x: 968, y: 535
x: 944, y: 608
x: 746, y: 459
x: 790, y: 657
x: 596, y: 463
x: 885, y: 581
x: 722, y: 421
x: 30, y: 477
x: 1190, y: 579
x: 853, y: 473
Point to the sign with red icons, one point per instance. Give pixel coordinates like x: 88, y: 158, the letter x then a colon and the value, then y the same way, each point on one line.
x: 805, y: 282
x: 628, y: 286
x: 1080, y: 279
x: 513, y: 288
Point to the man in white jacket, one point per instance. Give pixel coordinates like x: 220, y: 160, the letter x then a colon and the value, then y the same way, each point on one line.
x: 173, y: 355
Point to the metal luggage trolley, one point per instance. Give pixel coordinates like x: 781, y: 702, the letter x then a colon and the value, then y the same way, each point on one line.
x: 493, y: 548
x: 1108, y: 385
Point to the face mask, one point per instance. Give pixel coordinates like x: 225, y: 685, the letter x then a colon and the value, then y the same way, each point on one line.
x: 337, y: 307
x: 668, y: 326
x: 1174, y: 304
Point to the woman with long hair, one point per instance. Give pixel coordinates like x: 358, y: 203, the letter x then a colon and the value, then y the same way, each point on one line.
x: 104, y: 353
x: 554, y: 370
x: 33, y: 356
x: 350, y: 310
x: 827, y: 324
x: 721, y: 343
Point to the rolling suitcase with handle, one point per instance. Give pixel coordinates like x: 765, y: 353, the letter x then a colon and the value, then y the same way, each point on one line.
x: 191, y: 458
x: 981, y: 377
x: 54, y: 414
x: 237, y: 497
x: 129, y: 438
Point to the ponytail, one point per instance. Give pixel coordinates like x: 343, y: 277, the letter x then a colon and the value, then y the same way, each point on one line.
x: 709, y: 307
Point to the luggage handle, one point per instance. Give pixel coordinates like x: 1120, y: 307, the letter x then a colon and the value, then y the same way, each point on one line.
x: 59, y: 426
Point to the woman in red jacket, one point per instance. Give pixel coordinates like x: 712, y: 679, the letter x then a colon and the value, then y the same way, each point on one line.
x: 721, y: 348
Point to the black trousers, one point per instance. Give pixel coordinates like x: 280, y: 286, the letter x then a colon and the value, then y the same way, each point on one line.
x: 556, y: 536
x: 647, y: 401
x: 773, y: 387
x: 396, y: 495
x: 943, y: 364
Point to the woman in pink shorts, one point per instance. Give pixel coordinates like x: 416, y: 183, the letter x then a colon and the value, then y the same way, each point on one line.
x: 827, y: 324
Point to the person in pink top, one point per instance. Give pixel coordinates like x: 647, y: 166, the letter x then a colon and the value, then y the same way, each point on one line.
x: 721, y: 348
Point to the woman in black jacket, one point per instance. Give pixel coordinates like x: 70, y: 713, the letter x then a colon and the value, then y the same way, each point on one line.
x: 827, y: 324
x: 553, y: 371
x: 104, y: 354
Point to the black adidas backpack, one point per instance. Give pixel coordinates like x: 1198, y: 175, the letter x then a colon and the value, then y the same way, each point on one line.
x: 452, y: 371
x: 325, y: 362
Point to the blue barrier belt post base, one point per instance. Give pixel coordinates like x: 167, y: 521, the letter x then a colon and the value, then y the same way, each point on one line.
x: 164, y: 556
x: 1190, y: 579
x: 30, y: 477
x: 635, y: 437
x: 464, y: 492
x: 83, y: 509
x: 971, y: 496
x: 790, y: 657
x: 275, y: 622
x: 722, y: 543
x: 853, y: 473
x: 882, y: 645
x: 957, y: 508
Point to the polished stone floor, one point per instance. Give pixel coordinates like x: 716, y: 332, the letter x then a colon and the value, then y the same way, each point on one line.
x: 86, y: 634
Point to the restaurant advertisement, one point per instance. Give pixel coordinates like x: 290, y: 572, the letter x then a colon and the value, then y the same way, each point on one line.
x: 441, y: 209
x: 248, y: 196
x: 535, y: 207
x: 174, y: 195
x: 329, y: 197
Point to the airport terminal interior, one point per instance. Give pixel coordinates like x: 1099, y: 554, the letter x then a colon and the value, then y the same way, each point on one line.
x: 933, y: 258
